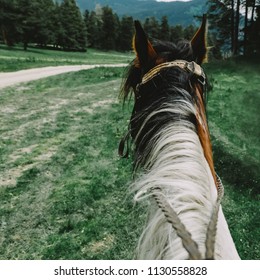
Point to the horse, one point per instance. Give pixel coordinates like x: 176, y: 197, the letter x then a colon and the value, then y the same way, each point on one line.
x: 173, y: 162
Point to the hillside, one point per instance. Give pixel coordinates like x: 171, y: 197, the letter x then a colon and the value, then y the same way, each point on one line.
x: 177, y: 12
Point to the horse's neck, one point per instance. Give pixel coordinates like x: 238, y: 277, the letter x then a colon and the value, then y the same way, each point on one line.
x: 177, y: 165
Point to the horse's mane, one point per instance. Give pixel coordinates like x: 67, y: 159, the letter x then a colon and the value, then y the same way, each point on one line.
x: 175, y: 79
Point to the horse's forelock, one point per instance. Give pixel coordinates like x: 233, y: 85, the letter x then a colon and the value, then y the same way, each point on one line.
x: 166, y: 51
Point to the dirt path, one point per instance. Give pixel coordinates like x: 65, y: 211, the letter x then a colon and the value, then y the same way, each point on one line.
x: 12, y: 78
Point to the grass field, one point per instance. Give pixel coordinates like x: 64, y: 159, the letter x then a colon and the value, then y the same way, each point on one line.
x: 13, y: 59
x: 63, y: 189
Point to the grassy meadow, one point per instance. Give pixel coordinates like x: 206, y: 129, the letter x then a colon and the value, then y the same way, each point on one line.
x: 63, y: 188
x: 15, y: 58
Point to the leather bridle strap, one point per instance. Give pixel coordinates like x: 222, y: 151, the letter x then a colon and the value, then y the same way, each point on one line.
x: 191, y: 67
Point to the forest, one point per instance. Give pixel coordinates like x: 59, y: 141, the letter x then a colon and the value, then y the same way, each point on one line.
x: 234, y: 26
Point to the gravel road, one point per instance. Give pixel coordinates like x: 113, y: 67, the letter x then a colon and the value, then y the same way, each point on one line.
x: 12, y: 78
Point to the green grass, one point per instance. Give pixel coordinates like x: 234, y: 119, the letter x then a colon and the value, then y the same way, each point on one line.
x: 63, y: 189
x: 15, y: 58
x: 233, y: 111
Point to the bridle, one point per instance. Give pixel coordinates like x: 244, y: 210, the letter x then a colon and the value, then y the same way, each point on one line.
x: 153, y: 75
x: 152, y: 78
x: 191, y: 67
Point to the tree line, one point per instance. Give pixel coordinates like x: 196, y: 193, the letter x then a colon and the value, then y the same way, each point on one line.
x: 61, y: 25
x: 234, y: 26
x: 42, y: 22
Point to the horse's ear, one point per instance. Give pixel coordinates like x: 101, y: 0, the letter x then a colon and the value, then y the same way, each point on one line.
x: 199, y: 42
x: 143, y: 48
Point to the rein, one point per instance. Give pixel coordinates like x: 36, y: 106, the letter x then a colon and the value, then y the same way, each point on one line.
x: 188, y: 243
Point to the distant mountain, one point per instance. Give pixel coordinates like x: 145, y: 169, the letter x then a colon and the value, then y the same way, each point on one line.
x: 177, y: 12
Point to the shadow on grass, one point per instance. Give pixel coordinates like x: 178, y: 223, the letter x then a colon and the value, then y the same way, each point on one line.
x: 241, y: 174
x: 35, y: 49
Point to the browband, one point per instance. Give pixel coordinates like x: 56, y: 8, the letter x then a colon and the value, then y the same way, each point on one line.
x: 191, y: 67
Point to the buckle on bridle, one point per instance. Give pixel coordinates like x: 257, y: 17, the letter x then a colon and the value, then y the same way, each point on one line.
x: 196, y: 70
x: 202, y: 80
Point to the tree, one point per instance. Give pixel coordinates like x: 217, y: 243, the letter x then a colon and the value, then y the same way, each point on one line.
x: 246, y: 3
x: 230, y: 23
x: 188, y: 32
x: 126, y: 33
x: 86, y: 16
x: 59, y: 32
x: 152, y: 27
x: 250, y: 23
x: 108, y: 32
x: 74, y: 36
x: 176, y: 33
x: 8, y: 21
x: 253, y: 46
x: 117, y: 31
x: 222, y: 24
x: 28, y: 21
x: 46, y: 28
x: 164, y: 29
x: 94, y: 26
x: 237, y: 23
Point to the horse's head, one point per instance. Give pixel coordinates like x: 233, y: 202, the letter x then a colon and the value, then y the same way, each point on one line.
x: 159, y: 68
x: 151, y: 54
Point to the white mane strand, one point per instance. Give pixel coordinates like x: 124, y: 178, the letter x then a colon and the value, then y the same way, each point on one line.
x: 176, y: 164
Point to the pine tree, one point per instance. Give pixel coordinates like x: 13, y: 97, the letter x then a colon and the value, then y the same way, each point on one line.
x: 188, y: 32
x: 152, y: 27
x: 29, y: 20
x: 108, y: 32
x: 8, y: 22
x: 86, y: 16
x: 126, y: 33
x: 222, y: 25
x: 164, y: 29
x: 46, y: 28
x: 176, y: 33
x: 59, y: 32
x: 251, y: 8
x: 226, y: 19
x: 117, y: 31
x: 94, y: 26
x: 237, y: 23
x: 246, y: 3
x: 74, y: 37
x: 253, y: 46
